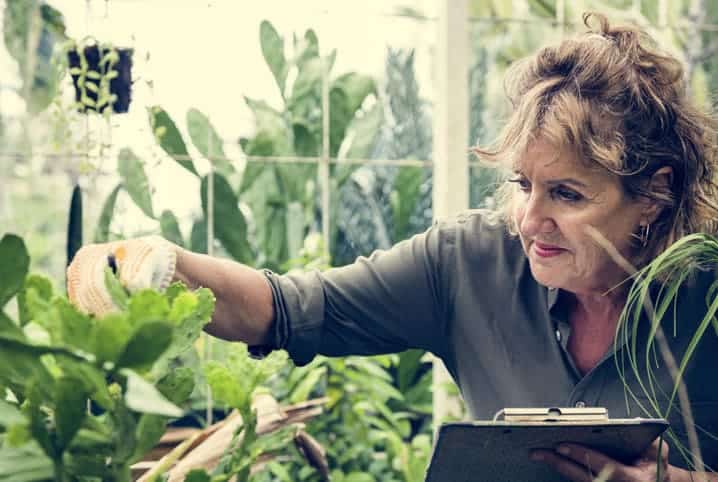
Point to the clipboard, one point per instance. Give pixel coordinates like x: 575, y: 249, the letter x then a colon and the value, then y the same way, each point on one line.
x: 498, y: 451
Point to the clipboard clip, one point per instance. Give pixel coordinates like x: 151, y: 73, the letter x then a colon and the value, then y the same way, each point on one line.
x: 554, y: 414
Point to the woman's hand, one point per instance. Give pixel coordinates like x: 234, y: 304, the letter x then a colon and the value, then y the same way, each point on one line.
x: 582, y: 464
x: 140, y: 263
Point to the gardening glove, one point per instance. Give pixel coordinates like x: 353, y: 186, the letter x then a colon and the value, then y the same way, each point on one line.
x: 147, y: 262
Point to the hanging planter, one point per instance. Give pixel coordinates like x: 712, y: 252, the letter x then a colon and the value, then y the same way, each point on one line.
x: 102, y: 77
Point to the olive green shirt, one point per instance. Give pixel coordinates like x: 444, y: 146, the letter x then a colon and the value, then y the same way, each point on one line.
x: 463, y: 290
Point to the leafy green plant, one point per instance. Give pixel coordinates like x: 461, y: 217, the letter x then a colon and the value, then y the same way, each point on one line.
x: 282, y: 196
x: 233, y: 382
x: 57, y: 361
x: 86, y: 397
x: 367, y: 430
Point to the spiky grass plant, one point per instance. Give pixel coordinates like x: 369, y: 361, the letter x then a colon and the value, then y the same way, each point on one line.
x: 668, y: 271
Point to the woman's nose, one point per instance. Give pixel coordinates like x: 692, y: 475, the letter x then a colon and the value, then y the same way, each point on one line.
x: 536, y: 218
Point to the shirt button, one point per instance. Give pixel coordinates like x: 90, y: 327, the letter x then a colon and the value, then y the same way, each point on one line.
x: 580, y: 404
x: 558, y: 335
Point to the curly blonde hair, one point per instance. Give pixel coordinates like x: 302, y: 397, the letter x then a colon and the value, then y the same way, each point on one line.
x: 611, y: 97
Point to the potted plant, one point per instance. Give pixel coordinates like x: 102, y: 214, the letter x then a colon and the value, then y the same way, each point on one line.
x: 101, y: 75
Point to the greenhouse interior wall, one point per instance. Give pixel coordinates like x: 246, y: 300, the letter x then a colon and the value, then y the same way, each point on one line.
x: 287, y: 136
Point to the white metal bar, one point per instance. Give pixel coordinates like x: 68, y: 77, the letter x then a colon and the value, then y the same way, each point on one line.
x: 333, y: 160
x: 209, y: 415
x: 451, y: 142
x: 325, y: 160
x: 451, y: 111
x: 680, y: 23
x: 662, y: 13
x: 14, y: 155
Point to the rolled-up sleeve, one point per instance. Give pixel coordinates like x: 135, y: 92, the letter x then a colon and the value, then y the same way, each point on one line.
x: 390, y: 301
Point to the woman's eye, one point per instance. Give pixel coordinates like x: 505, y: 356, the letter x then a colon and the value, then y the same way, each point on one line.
x: 524, y: 184
x: 567, y: 195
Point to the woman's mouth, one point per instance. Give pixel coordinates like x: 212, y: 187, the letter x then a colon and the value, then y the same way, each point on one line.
x: 546, y: 250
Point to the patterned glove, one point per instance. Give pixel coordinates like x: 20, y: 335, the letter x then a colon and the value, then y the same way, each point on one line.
x: 147, y: 262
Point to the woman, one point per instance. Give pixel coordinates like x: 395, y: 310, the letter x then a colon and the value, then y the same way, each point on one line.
x: 521, y: 305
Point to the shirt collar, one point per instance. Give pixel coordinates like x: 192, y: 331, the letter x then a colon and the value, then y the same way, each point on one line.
x: 553, y: 295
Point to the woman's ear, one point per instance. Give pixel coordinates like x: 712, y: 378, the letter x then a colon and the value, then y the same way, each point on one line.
x: 660, y: 184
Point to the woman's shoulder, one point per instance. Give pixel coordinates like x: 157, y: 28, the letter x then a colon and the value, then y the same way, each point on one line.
x: 473, y: 221
x: 479, y: 233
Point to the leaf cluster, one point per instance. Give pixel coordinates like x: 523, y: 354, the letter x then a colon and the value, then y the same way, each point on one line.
x: 233, y: 383
x: 86, y: 396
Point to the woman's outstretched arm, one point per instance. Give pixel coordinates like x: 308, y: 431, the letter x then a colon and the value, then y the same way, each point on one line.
x: 244, y: 310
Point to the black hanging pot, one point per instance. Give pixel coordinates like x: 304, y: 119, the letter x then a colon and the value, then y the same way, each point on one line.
x: 102, y: 77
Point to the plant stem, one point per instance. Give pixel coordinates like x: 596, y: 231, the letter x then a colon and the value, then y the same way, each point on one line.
x: 168, y: 460
x: 59, y: 473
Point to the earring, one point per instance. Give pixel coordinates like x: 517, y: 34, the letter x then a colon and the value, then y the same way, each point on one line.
x: 642, y: 237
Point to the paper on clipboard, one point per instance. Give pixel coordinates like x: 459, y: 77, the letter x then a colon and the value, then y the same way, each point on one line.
x: 498, y: 451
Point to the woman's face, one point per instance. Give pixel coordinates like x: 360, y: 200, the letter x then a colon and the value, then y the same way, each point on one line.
x: 559, y: 197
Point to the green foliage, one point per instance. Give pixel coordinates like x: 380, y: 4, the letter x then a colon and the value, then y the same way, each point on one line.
x: 207, y: 141
x: 144, y: 397
x: 370, y: 431
x: 346, y: 96
x: 231, y: 227
x: 286, y: 192
x: 233, y: 382
x: 149, y: 341
x: 35, y: 289
x: 32, y: 30
x: 177, y: 385
x: 24, y: 464
x: 282, y: 197
x: 169, y: 226
x: 14, y: 263
x: 189, y: 312
x: 117, y: 292
x: 404, y: 198
x: 273, y: 52
x: 69, y: 360
x: 198, y: 236
x: 135, y: 181
x: 102, y: 230
x: 70, y: 400
x: 9, y: 414
x: 169, y: 137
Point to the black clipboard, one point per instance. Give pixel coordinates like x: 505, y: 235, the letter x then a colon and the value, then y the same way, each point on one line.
x: 498, y: 451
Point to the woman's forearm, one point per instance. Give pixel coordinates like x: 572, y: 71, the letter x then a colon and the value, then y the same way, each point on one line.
x: 244, y: 310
